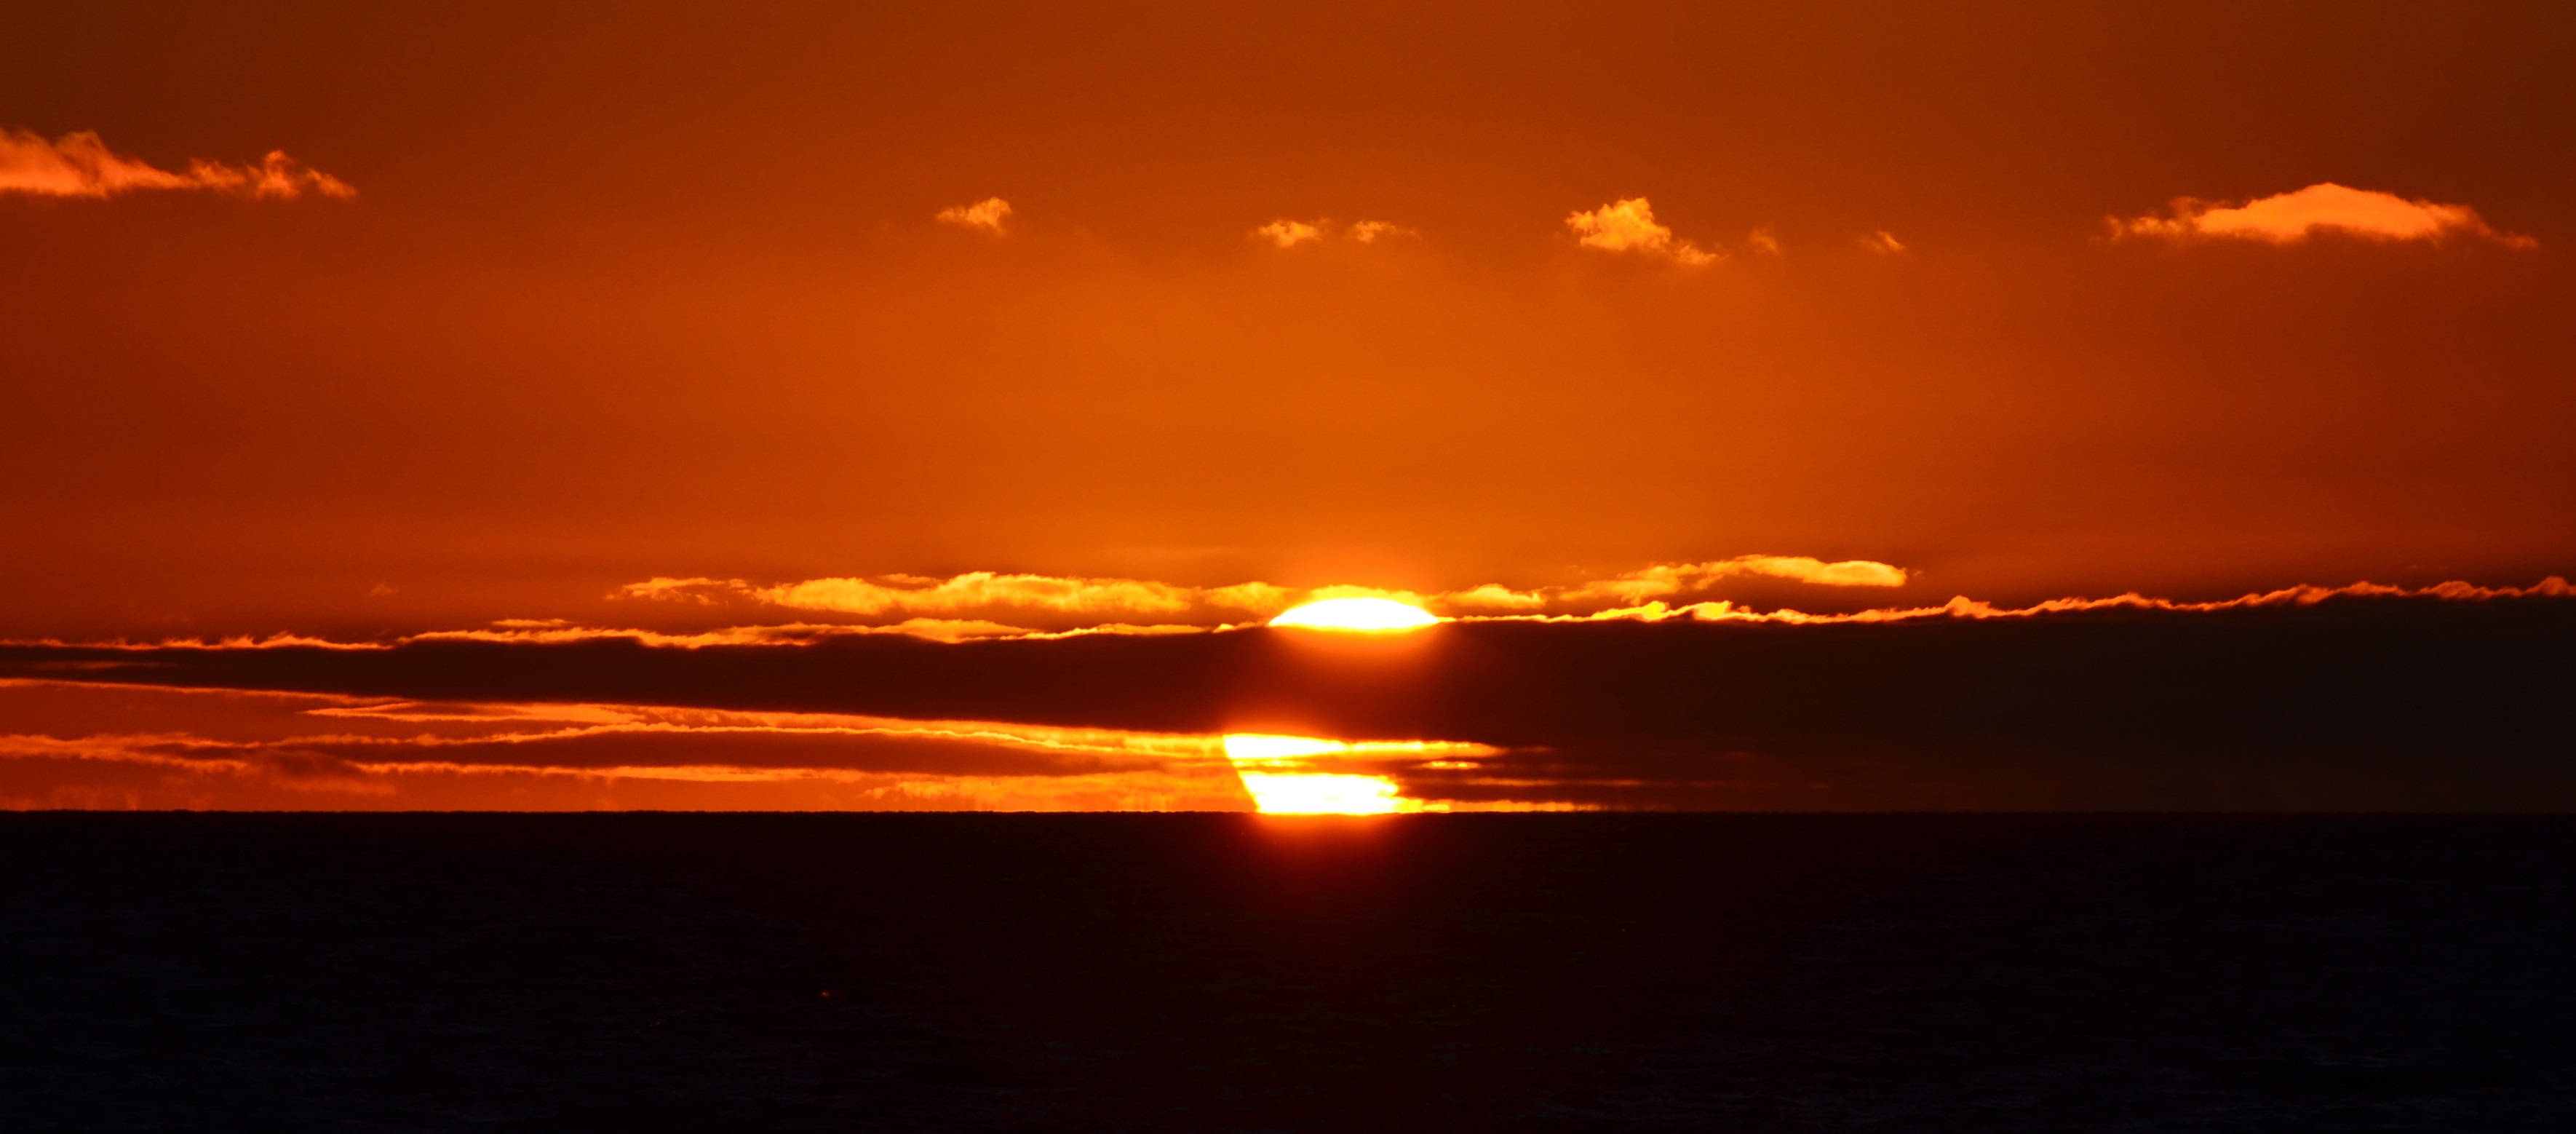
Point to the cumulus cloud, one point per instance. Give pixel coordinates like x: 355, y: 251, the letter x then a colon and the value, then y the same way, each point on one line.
x: 2288, y: 218
x: 1288, y: 233
x: 986, y: 215
x: 1629, y: 226
x: 81, y: 165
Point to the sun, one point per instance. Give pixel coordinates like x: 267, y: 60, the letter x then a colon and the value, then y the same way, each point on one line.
x: 1363, y: 614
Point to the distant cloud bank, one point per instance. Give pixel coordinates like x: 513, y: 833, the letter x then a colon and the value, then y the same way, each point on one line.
x: 935, y: 606
x: 2288, y: 218
x: 81, y: 165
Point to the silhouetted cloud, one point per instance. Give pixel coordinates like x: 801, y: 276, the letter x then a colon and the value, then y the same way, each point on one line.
x: 81, y: 165
x: 1628, y: 225
x: 2288, y: 218
x: 986, y: 215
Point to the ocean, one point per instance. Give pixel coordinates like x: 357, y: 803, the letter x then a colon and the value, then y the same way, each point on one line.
x: 1204, y: 972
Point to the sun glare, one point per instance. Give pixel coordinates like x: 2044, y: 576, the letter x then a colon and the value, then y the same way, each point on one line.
x: 1322, y: 793
x: 1365, y: 614
x: 1282, y: 778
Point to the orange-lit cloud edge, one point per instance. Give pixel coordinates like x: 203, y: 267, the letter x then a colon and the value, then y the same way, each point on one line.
x: 80, y: 165
x: 538, y: 631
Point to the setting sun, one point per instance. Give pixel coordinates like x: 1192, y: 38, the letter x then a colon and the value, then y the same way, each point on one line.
x: 1364, y: 614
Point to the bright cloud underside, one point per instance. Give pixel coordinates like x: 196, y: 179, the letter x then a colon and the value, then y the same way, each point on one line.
x: 81, y: 165
x: 2288, y: 218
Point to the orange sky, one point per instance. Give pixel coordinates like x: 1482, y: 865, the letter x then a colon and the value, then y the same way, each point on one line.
x: 361, y: 321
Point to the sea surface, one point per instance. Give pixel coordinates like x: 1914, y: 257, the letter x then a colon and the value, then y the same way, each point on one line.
x: 1589, y: 972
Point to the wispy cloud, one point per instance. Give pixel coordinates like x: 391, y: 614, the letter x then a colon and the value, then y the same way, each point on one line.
x: 1882, y: 242
x: 986, y: 215
x: 81, y: 165
x: 2288, y: 218
x: 1629, y: 225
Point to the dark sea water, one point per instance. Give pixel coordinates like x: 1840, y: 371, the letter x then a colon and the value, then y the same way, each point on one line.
x: 1534, y: 972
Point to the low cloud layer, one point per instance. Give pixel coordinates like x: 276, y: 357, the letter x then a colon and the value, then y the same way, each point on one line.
x: 81, y: 165
x: 2289, y: 218
x: 1629, y: 225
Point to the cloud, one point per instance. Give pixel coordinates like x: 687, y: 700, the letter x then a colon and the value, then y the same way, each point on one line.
x: 986, y: 215
x: 1882, y: 242
x: 982, y: 590
x: 86, y: 744
x: 1668, y: 579
x: 2362, y: 697
x: 1287, y: 233
x: 81, y: 165
x: 1628, y: 225
x: 1763, y: 240
x: 935, y: 608
x: 2288, y: 218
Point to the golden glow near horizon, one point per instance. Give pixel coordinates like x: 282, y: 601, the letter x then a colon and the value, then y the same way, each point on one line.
x: 1360, y: 614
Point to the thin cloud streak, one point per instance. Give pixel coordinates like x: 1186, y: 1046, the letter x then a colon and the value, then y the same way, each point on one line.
x: 267, y: 750
x: 81, y: 165
x: 2290, y: 218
